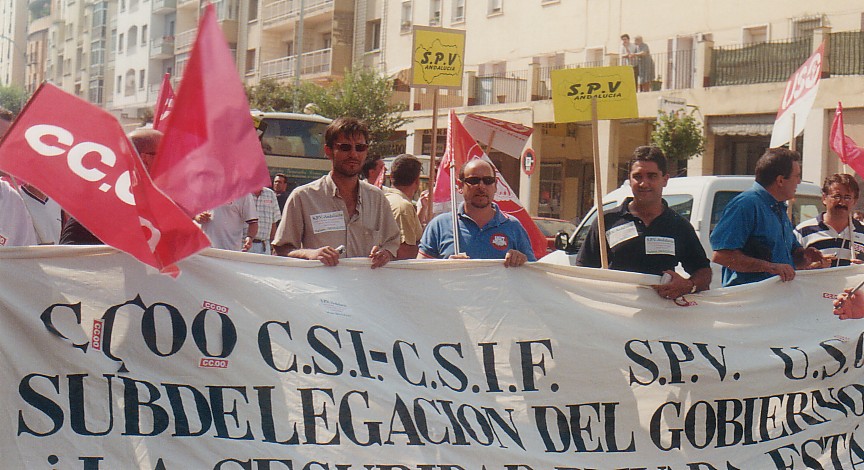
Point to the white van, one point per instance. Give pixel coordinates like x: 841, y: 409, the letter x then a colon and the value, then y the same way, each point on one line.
x: 699, y: 199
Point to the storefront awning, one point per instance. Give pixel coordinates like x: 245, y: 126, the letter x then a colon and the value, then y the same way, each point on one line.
x: 741, y: 129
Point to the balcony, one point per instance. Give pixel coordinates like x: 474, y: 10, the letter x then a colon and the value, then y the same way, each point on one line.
x: 162, y: 48
x: 186, y: 3
x: 164, y: 7
x: 314, y: 63
x: 280, y: 12
x: 183, y: 42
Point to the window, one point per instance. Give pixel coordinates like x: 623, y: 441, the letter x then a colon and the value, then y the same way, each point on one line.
x: 119, y: 85
x: 755, y: 34
x: 496, y: 7
x: 373, y: 35
x: 458, y: 11
x: 130, y: 83
x: 141, y: 75
x: 132, y: 39
x: 435, y: 13
x: 250, y: 60
x: 327, y: 40
x: 144, y: 35
x: 803, y: 27
x: 407, y: 17
x: 120, y: 44
x: 253, y: 10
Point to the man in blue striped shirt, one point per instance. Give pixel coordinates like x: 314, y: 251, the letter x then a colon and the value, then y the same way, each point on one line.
x: 830, y: 231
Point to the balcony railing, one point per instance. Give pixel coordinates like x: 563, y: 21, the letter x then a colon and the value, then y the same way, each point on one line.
x: 162, y: 48
x: 161, y: 7
x: 315, y: 62
x: 510, y: 87
x: 847, y: 53
x: 282, y: 10
x: 758, y: 63
x: 183, y: 41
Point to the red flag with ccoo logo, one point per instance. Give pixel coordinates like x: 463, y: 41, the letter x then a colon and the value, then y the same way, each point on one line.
x: 461, y: 147
x: 78, y: 155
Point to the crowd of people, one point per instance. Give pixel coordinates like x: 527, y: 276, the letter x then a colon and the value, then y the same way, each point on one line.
x: 341, y: 216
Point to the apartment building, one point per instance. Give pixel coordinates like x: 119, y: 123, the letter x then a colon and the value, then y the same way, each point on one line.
x: 726, y: 61
x: 143, y: 53
x: 77, y: 55
x: 13, y: 42
x: 37, y: 43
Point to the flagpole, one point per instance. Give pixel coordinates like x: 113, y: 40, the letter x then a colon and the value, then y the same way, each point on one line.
x: 598, y: 187
x: 433, y: 166
x: 792, y: 144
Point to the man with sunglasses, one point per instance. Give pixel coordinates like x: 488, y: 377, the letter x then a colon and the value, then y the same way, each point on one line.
x: 829, y: 232
x: 338, y: 214
x: 644, y: 235
x: 484, y: 231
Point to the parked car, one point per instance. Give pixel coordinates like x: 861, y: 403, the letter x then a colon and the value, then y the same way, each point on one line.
x: 555, y: 230
x: 699, y: 199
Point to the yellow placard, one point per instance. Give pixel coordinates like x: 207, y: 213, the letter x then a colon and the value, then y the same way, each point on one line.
x: 438, y: 57
x: 614, y: 88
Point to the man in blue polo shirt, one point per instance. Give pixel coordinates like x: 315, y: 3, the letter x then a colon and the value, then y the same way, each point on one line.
x: 484, y: 231
x: 754, y: 238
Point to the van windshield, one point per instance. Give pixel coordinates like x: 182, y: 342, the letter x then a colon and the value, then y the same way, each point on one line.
x: 802, y: 208
x: 293, y: 138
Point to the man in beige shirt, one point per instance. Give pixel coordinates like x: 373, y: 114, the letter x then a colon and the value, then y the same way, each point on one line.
x: 405, y: 175
x: 339, y: 214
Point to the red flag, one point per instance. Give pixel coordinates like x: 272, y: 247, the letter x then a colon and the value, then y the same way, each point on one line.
x: 850, y: 153
x: 461, y: 147
x: 164, y: 104
x: 78, y: 155
x: 210, y: 154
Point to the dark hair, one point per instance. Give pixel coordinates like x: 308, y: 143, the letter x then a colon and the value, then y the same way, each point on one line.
x: 462, y: 170
x: 775, y: 162
x: 369, y: 164
x: 405, y: 170
x: 625, y: 35
x: 277, y: 175
x: 346, y: 126
x: 841, y: 179
x: 648, y: 153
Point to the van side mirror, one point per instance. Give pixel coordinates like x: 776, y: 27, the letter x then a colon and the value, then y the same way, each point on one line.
x: 561, y: 240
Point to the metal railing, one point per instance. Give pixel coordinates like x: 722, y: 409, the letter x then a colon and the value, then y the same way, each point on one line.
x: 674, y: 70
x: 847, y: 53
x: 544, y: 78
x: 282, y: 67
x: 184, y: 40
x: 315, y: 62
x: 283, y: 10
x: 509, y: 87
x: 159, y: 5
x: 765, y: 62
x: 162, y: 46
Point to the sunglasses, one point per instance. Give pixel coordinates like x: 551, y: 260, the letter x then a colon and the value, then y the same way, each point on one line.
x: 347, y: 147
x: 475, y: 180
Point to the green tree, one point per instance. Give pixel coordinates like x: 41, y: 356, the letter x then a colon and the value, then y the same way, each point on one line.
x: 363, y: 94
x: 679, y: 135
x: 12, y: 98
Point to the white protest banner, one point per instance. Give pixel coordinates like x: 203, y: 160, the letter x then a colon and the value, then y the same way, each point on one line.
x: 256, y: 362
x: 798, y: 99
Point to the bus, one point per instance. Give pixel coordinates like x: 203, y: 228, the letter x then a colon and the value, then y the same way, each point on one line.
x: 293, y: 144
